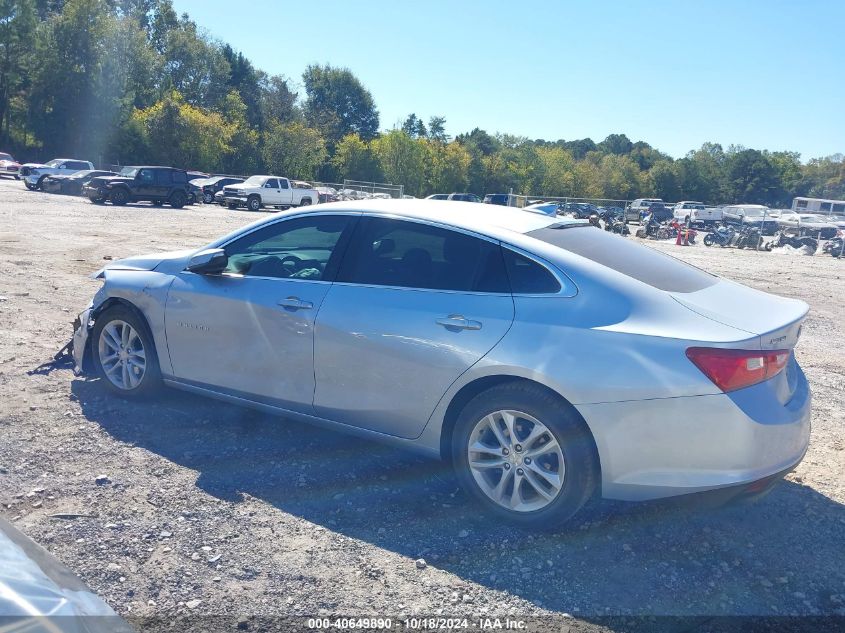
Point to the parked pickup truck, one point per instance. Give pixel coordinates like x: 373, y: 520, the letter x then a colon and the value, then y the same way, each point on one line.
x: 33, y: 174
x: 696, y: 214
x: 755, y: 215
x: 267, y: 191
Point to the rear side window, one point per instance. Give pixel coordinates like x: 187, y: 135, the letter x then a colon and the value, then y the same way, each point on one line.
x: 163, y: 176
x: 634, y: 260
x: 527, y: 276
x: 402, y: 254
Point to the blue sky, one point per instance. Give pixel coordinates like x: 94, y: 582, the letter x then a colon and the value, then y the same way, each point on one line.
x: 768, y: 74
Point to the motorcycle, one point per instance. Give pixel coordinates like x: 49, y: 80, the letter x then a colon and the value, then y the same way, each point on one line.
x: 782, y: 239
x: 614, y: 223
x: 722, y: 236
x: 835, y: 247
x: 749, y: 237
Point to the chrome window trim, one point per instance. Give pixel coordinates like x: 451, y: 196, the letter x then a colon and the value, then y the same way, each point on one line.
x: 568, y: 288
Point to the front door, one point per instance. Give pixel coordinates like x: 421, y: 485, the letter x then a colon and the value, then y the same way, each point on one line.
x: 413, y: 307
x: 249, y: 331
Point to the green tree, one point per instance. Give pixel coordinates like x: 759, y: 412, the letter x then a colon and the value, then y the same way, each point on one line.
x: 447, y: 167
x: 750, y: 177
x: 180, y: 134
x: 437, y: 129
x: 293, y: 150
x: 338, y: 104
x: 17, y: 33
x: 402, y: 160
x: 355, y: 159
x: 616, y: 144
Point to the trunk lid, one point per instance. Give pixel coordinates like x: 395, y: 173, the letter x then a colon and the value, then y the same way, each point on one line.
x: 775, y: 320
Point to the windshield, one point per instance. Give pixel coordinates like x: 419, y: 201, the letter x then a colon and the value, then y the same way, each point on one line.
x: 54, y: 163
x: 129, y: 172
x: 255, y: 181
x: 629, y: 258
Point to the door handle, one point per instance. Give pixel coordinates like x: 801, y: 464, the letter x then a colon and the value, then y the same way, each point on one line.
x: 459, y: 322
x: 295, y: 303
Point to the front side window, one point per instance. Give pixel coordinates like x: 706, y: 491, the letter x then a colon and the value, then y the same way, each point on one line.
x: 398, y: 253
x: 299, y: 248
x: 146, y: 176
x: 272, y: 183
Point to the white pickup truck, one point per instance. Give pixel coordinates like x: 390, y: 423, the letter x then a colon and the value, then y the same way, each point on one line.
x: 695, y: 213
x: 33, y: 174
x: 267, y: 191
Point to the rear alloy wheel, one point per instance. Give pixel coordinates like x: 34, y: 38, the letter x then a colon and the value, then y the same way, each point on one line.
x: 253, y: 203
x: 305, y: 202
x: 119, y: 196
x: 525, y: 455
x: 178, y: 199
x: 124, y: 353
x: 207, y: 198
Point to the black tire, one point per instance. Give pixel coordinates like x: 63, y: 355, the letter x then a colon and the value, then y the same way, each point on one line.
x: 207, y: 198
x: 29, y: 186
x: 119, y: 197
x: 151, y: 380
x: 40, y: 183
x: 253, y: 203
x: 178, y: 199
x: 305, y: 202
x: 581, y: 472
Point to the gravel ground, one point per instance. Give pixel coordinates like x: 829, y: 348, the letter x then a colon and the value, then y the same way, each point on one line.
x: 205, y: 508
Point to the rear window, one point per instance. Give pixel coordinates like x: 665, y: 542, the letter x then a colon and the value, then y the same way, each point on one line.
x: 639, y: 262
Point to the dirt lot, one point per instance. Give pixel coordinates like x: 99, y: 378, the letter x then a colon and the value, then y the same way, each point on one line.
x: 213, y: 509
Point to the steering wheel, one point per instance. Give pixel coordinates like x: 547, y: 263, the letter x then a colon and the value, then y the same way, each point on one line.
x: 296, y: 261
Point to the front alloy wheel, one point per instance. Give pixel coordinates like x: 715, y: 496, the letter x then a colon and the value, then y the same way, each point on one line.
x: 122, y: 355
x: 516, y: 461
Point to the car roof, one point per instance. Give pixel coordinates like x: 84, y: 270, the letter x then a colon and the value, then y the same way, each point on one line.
x: 486, y: 219
x: 152, y: 167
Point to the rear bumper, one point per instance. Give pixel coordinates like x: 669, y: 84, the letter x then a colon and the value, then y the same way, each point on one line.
x: 94, y: 193
x: 666, y: 447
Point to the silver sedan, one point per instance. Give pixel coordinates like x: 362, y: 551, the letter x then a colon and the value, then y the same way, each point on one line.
x: 546, y: 360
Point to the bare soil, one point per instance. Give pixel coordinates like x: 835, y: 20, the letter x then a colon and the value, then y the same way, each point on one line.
x: 253, y: 515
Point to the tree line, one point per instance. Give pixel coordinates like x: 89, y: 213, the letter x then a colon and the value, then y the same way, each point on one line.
x: 130, y: 81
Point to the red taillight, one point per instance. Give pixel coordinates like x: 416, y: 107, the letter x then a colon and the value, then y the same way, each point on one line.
x: 732, y: 369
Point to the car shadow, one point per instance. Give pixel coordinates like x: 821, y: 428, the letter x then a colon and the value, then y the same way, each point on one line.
x: 779, y: 556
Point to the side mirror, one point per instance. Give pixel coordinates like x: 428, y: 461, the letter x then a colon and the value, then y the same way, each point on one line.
x: 209, y: 262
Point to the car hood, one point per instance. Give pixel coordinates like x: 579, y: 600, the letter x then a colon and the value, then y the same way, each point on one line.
x: 105, y: 180
x: 777, y: 320
x: 147, y: 262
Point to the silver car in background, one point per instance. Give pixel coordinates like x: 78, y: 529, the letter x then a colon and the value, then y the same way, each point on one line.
x: 545, y: 359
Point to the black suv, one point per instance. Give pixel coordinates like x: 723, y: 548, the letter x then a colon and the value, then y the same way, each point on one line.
x: 156, y: 184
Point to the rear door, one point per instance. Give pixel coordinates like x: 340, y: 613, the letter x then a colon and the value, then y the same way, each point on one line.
x: 285, y: 192
x: 413, y: 307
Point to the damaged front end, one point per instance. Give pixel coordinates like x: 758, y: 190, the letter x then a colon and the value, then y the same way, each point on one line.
x: 79, y: 343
